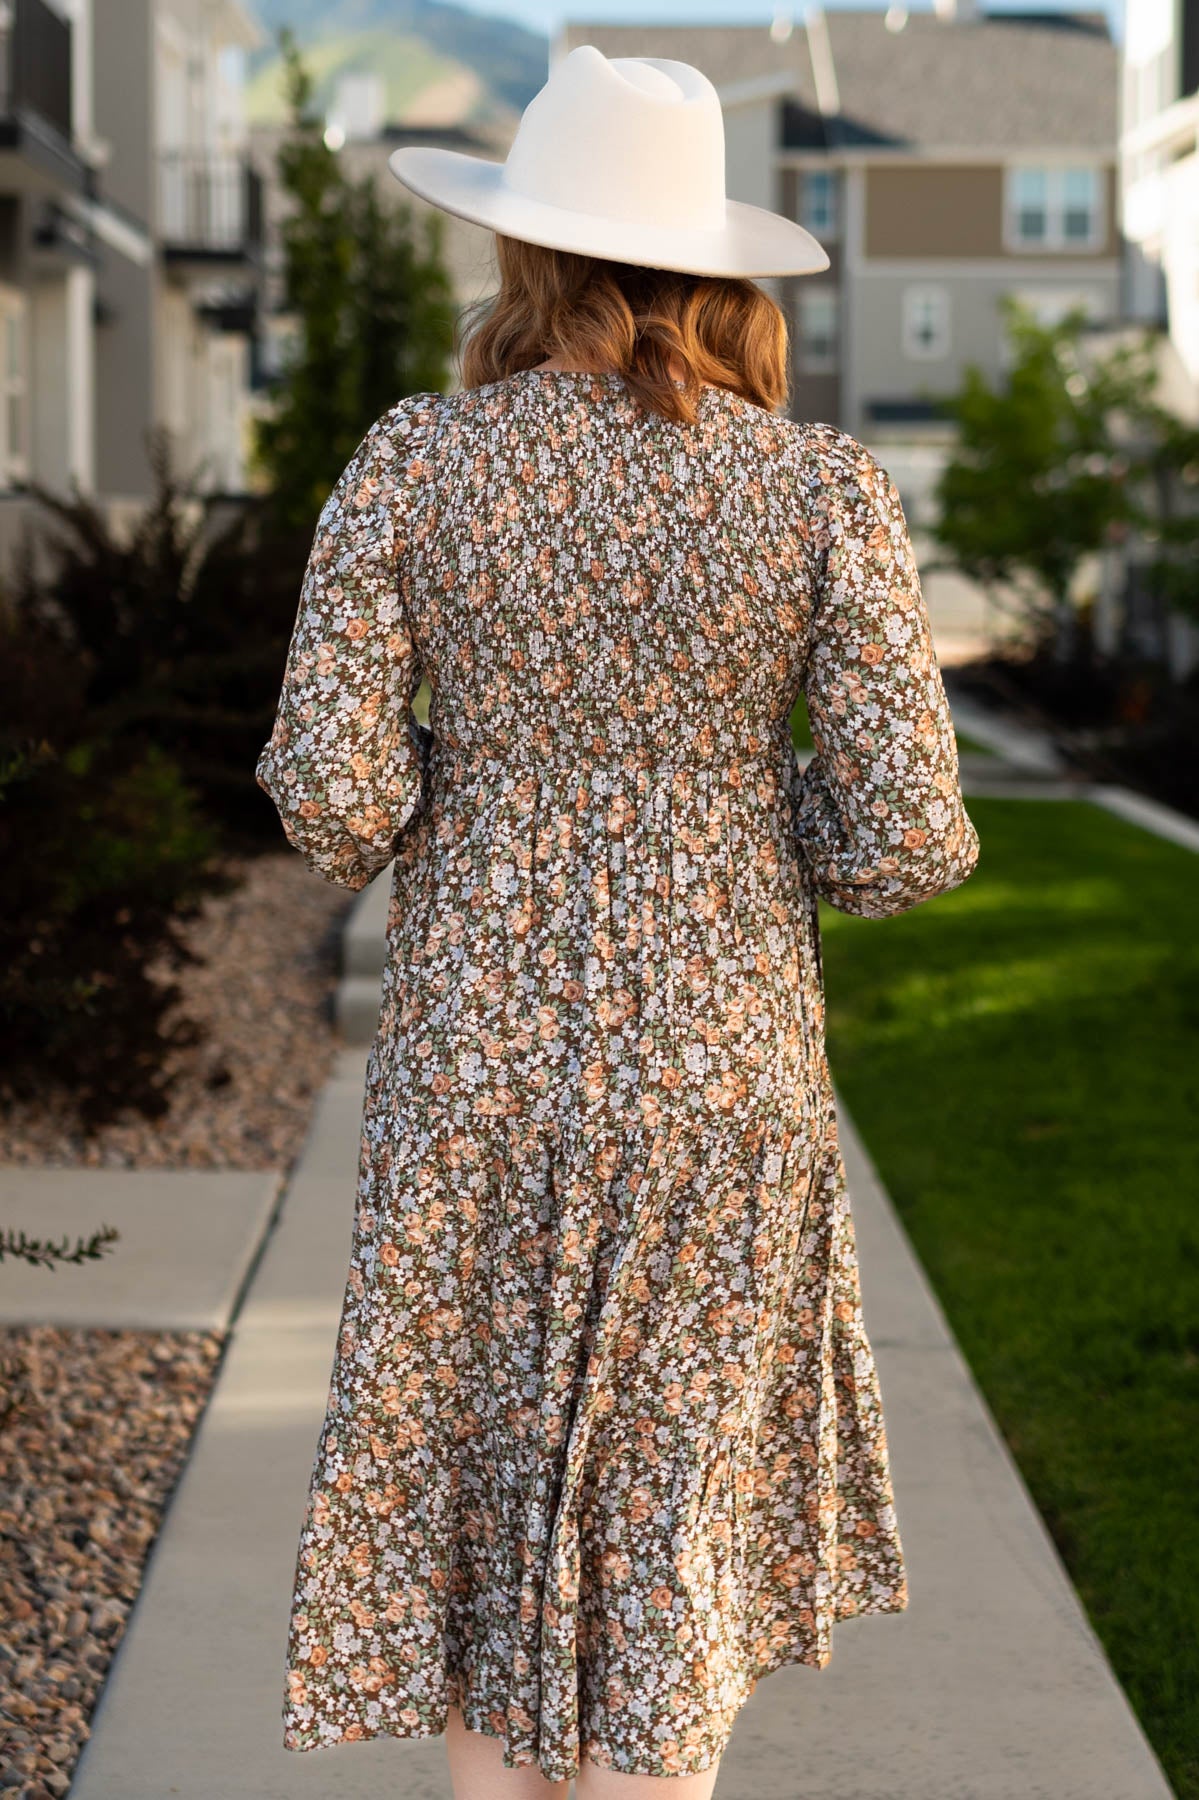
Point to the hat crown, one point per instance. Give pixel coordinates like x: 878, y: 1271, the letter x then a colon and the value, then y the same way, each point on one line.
x: 637, y: 139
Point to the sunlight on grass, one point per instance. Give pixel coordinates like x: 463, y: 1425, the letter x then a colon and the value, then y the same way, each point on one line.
x: 1020, y: 1056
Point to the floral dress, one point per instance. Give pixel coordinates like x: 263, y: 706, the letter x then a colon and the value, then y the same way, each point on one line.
x: 604, y: 1442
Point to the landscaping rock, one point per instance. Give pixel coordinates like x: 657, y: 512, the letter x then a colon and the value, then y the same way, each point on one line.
x: 95, y: 1433
x: 264, y: 995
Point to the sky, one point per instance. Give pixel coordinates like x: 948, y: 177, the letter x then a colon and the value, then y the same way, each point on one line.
x: 547, y: 15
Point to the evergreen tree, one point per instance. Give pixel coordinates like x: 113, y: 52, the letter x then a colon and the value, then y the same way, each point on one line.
x: 373, y: 307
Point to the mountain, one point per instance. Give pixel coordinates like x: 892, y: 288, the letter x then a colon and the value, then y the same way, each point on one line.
x: 439, y: 63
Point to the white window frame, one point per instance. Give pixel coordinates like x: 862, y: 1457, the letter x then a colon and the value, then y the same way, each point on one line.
x: 805, y: 362
x: 1056, y: 176
x: 14, y: 386
x: 927, y: 298
x: 826, y: 228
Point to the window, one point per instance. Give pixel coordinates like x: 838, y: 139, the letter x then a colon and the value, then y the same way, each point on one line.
x: 818, y: 202
x: 925, y: 323
x: 1080, y: 205
x: 1030, y: 188
x: 817, y: 329
x: 13, y: 458
x: 1150, y: 86
x: 1054, y: 208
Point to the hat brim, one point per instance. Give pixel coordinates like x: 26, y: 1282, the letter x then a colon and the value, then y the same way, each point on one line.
x: 752, y: 241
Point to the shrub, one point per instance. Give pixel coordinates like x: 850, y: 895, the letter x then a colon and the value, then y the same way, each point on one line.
x: 104, y: 846
x: 172, y: 637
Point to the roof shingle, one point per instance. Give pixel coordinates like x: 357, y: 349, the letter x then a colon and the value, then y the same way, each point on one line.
x: 1016, y: 81
x: 1010, y: 80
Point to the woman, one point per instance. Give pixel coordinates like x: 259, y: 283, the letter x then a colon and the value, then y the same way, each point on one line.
x: 604, y: 1442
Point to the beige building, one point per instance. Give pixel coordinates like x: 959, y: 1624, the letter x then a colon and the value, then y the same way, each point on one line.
x: 943, y: 158
x: 56, y: 227
x: 128, y: 244
x: 176, y: 334
x: 1159, y: 195
x: 1159, y: 169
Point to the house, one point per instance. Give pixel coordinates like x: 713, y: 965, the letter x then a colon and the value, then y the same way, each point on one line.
x: 1159, y: 205
x: 942, y: 158
x: 175, y: 333
x: 127, y: 245
x: 1159, y: 169
x: 57, y: 225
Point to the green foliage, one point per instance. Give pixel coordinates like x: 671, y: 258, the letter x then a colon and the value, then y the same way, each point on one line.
x: 406, y: 66
x: 373, y: 308
x: 138, y: 679
x: 801, y: 729
x: 1037, y: 479
x: 1172, y: 466
x: 103, y: 852
x: 173, y: 636
x: 1020, y: 1057
x: 16, y: 1246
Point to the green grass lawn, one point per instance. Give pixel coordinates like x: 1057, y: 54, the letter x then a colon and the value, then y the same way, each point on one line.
x: 1021, y: 1058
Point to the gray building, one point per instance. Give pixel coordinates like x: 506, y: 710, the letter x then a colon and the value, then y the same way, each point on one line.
x: 128, y: 229
x: 176, y: 332
x: 1159, y: 213
x: 943, y: 159
x: 57, y: 224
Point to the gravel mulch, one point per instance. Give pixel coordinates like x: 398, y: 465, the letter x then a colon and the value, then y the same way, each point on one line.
x: 263, y: 995
x: 95, y: 1429
x: 95, y: 1425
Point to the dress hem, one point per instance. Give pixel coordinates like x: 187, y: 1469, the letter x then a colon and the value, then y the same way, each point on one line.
x: 802, y: 1656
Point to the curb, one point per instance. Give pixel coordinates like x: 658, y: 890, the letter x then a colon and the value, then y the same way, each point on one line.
x: 1151, y: 814
x: 1017, y: 744
x: 1025, y: 748
x: 190, y: 1240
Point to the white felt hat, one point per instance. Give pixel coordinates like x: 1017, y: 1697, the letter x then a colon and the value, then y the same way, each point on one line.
x: 621, y: 158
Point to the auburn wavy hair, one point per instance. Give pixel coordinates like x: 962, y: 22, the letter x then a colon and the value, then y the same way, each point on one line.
x: 598, y: 314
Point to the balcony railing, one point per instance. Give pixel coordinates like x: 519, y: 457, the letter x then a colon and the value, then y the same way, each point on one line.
x: 210, y: 205
x: 35, y: 63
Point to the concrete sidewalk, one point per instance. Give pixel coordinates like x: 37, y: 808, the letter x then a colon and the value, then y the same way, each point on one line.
x: 991, y: 1686
x: 193, y: 1703
x: 188, y: 1239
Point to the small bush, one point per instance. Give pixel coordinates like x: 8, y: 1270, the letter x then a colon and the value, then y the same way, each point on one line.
x: 174, y: 637
x: 1114, y: 718
x: 104, y: 854
x: 106, y: 845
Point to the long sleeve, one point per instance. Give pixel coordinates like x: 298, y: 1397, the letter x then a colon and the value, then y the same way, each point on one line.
x: 881, y: 819
x: 344, y: 761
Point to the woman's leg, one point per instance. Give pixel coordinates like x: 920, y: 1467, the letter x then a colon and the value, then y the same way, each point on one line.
x: 477, y: 1769
x: 477, y: 1772
x: 595, y: 1783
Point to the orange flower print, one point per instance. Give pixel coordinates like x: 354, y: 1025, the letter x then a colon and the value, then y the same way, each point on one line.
x: 603, y: 1286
